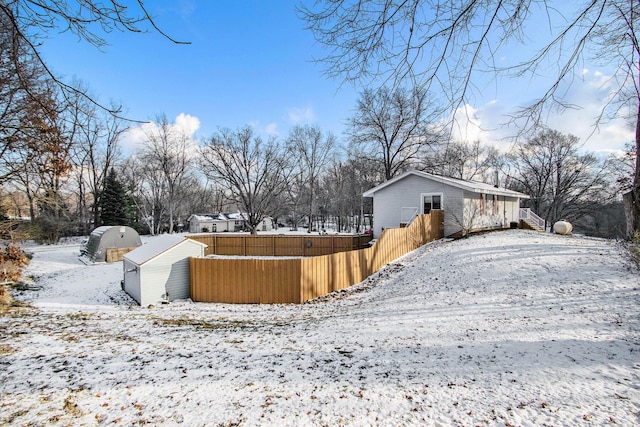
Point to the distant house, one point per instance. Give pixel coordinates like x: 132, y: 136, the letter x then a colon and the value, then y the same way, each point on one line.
x: 220, y: 222
x: 159, y: 270
x: 210, y: 223
x: 241, y: 218
x: 468, y: 205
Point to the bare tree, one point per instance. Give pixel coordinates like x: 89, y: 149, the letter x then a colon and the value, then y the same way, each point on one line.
x: 147, y: 187
x: 167, y: 149
x: 31, y: 22
x: 562, y: 182
x: 460, y: 159
x: 391, y: 127
x: 95, y: 152
x: 253, y: 171
x: 314, y: 151
x: 445, y: 46
x: 343, y: 185
x: 22, y: 81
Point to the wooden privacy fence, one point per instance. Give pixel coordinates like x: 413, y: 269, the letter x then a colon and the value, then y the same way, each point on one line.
x: 254, y: 280
x: 276, y: 245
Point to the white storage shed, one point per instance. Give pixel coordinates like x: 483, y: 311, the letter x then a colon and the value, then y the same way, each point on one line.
x: 159, y: 270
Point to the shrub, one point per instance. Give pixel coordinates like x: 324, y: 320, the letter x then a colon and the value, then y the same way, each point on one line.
x: 12, y: 259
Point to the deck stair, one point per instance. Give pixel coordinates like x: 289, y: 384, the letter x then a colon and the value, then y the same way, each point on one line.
x: 530, y: 220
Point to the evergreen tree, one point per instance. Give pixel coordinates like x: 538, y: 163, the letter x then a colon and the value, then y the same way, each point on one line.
x: 113, y: 201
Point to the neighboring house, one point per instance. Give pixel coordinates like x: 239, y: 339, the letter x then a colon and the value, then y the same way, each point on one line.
x: 468, y: 205
x: 220, y: 222
x: 242, y: 218
x: 210, y: 223
x: 159, y: 270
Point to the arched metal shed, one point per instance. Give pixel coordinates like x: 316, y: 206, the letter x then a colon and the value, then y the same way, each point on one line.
x: 110, y: 237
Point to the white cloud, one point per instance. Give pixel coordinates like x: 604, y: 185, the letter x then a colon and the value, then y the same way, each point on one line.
x: 482, y: 124
x: 134, y: 137
x: 272, y: 129
x: 487, y: 122
x: 303, y: 115
x: 268, y: 130
x: 187, y: 123
x: 467, y: 126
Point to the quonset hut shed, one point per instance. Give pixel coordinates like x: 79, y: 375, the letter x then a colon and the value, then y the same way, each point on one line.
x: 159, y: 270
x: 108, y: 237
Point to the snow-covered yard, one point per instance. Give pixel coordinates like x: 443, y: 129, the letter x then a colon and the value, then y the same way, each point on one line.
x: 506, y: 328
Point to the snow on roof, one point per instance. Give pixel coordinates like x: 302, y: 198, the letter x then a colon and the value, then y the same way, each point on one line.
x: 473, y: 186
x: 236, y: 215
x: 155, y: 247
x: 209, y: 217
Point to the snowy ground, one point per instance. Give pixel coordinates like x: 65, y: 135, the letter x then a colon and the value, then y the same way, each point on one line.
x: 507, y: 328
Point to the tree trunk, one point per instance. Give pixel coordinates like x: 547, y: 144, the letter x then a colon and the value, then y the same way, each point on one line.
x: 632, y: 201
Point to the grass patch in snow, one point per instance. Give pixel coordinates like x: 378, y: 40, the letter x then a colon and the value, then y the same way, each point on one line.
x: 15, y: 308
x: 205, y: 324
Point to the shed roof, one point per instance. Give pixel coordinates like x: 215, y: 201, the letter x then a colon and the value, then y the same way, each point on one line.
x: 155, y: 247
x: 473, y: 186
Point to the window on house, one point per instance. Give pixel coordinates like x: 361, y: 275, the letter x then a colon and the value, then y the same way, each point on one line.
x: 214, y: 228
x: 431, y: 201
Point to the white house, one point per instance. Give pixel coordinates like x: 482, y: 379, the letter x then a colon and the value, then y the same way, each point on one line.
x: 159, y: 270
x: 210, y: 223
x: 468, y: 205
x: 220, y: 222
x: 241, y: 218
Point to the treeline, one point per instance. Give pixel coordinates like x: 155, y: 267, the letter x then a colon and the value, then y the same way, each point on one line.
x: 63, y: 170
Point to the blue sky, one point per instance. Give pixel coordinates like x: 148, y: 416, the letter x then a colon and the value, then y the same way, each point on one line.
x: 250, y: 62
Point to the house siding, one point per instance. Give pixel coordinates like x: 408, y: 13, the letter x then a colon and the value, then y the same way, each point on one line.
x: 485, y: 208
x: 391, y: 204
x: 484, y: 216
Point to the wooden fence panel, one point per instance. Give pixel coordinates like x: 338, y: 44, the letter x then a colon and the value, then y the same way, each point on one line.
x: 245, y: 281
x: 253, y: 280
x: 116, y: 254
x: 279, y: 245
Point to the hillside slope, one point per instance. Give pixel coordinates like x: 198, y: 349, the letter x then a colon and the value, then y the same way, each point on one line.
x: 505, y: 328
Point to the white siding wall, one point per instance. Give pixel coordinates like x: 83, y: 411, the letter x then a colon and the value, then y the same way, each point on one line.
x: 507, y: 210
x: 167, y: 272
x: 393, y: 204
x: 131, y: 279
x: 389, y: 202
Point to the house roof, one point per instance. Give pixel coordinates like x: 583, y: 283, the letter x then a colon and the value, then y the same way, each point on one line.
x: 208, y: 217
x: 473, y: 186
x: 155, y: 247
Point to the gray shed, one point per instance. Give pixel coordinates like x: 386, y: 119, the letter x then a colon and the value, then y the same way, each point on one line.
x: 108, y: 237
x: 159, y: 270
